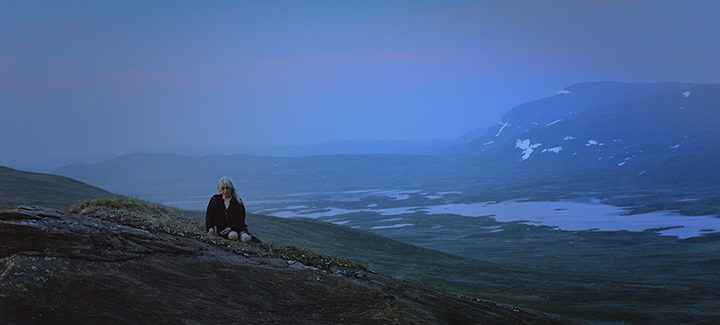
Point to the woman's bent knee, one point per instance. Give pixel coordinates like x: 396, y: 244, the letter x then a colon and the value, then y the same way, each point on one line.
x: 233, y: 235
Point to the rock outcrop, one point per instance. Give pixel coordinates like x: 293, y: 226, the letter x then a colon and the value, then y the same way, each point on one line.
x: 62, y: 268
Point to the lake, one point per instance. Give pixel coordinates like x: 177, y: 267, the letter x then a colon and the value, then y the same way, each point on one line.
x: 564, y: 215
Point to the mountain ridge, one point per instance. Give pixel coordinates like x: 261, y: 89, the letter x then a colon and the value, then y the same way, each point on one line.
x: 571, y: 100
x: 596, y: 152
x: 656, y: 127
x: 338, y: 147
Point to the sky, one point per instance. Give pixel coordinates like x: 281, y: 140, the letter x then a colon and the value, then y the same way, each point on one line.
x: 87, y: 78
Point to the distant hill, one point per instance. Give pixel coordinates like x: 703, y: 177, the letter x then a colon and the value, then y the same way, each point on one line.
x: 459, y: 146
x: 689, y: 170
x: 627, y: 137
x: 470, y: 136
x: 339, y: 147
x: 47, y: 166
x: 166, y: 177
x: 578, y: 144
x: 566, y: 103
x: 650, y: 153
x: 26, y: 188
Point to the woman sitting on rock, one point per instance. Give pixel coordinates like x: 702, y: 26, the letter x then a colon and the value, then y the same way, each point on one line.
x: 227, y: 212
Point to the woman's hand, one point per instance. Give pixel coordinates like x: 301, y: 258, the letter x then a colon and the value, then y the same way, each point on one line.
x: 225, y: 231
x: 211, y: 231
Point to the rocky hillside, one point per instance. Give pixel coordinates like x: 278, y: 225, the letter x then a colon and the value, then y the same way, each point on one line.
x: 120, y: 264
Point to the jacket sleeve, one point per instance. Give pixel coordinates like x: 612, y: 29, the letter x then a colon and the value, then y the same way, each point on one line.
x: 240, y: 223
x: 210, y: 215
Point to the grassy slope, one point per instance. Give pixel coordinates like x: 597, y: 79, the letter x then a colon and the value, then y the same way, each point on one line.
x: 381, y: 254
x: 156, y: 217
x: 26, y: 188
x: 323, y: 245
x: 602, y: 277
x: 569, y: 286
x: 436, y: 269
x: 391, y: 257
x: 400, y: 260
x: 641, y: 297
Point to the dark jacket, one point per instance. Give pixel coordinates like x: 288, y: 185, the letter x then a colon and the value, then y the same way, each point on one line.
x: 233, y: 216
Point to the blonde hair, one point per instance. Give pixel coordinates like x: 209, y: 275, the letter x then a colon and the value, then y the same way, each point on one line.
x: 229, y: 183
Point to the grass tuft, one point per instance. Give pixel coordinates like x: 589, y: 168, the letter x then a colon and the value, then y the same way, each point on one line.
x: 151, y: 216
x: 139, y: 214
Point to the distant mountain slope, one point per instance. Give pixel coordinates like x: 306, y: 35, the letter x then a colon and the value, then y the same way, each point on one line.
x: 166, y: 177
x: 566, y: 103
x: 459, y: 146
x: 614, y: 143
x: 591, y: 151
x: 470, y: 136
x: 693, y: 169
x: 47, y: 166
x: 633, y: 135
x: 25, y: 188
x: 339, y: 147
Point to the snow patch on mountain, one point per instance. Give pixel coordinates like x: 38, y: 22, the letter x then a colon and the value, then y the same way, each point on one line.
x: 564, y: 92
x: 594, y: 143
x: 686, y: 94
x: 504, y: 125
x: 551, y: 123
x: 554, y: 149
x: 526, y: 147
x: 569, y: 137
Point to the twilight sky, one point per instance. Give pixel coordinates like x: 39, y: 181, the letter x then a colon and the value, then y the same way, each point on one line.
x: 81, y: 78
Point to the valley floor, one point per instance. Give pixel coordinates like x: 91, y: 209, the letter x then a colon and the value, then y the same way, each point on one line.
x: 617, y: 276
